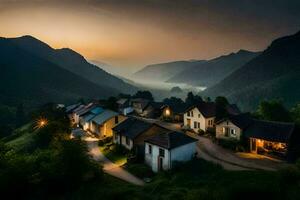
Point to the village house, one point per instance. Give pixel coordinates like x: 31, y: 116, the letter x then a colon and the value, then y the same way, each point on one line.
x: 84, y: 120
x: 132, y: 132
x: 200, y: 116
x: 173, y: 113
x: 233, y: 126
x: 101, y: 125
x: 124, y: 106
x: 164, y: 150
x: 139, y: 104
x: 265, y: 137
x: 152, y: 110
x: 81, y: 110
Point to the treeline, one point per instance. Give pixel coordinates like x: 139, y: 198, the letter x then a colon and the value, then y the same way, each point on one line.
x: 50, y: 164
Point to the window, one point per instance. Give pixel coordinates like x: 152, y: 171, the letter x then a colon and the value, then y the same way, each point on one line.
x: 198, y: 124
x: 127, y: 141
x: 188, y: 114
x: 116, y: 119
x: 192, y: 114
x: 149, y: 149
x: 161, y: 152
x: 199, y: 116
x: 195, y: 124
x: 233, y: 132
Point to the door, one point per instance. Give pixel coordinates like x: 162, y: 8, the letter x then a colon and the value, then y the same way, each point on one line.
x: 189, y: 123
x: 253, y: 147
x: 160, y: 164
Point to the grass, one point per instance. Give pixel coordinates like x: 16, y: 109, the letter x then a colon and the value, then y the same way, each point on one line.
x: 21, y: 138
x: 110, y: 151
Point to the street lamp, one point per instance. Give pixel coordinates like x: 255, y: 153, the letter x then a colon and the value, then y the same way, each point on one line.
x: 40, y: 123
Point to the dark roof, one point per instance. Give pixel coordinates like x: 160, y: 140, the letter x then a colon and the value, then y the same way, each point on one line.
x: 177, y: 109
x: 170, y: 140
x: 132, y: 127
x: 70, y: 108
x: 242, y: 120
x: 271, y: 131
x: 207, y: 109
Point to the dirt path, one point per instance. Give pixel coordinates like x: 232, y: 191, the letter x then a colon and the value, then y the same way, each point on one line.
x: 108, y: 166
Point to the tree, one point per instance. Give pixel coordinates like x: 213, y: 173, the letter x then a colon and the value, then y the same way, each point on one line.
x: 221, y: 107
x: 144, y: 94
x: 20, y: 115
x: 295, y: 112
x: 173, y: 101
x: 111, y: 103
x: 274, y: 111
x: 192, y: 99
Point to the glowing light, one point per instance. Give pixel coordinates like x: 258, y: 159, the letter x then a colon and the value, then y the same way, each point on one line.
x: 168, y: 112
x: 40, y: 123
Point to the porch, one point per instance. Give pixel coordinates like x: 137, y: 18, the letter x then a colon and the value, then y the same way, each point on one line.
x: 268, y: 148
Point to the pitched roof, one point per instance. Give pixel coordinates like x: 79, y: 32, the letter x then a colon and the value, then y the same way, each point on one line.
x: 104, y: 116
x: 132, y: 127
x: 207, y: 109
x: 70, y: 108
x: 242, y: 120
x: 170, y: 140
x: 269, y: 130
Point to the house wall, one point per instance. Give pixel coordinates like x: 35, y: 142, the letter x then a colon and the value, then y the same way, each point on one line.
x: 220, y: 134
x: 183, y: 153
x: 126, y: 111
x: 152, y: 159
x: 199, y: 118
x: 105, y: 129
x: 121, y: 140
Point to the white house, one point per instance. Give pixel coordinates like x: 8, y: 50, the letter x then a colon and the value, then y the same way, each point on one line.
x: 124, y: 106
x: 233, y: 126
x: 164, y: 150
x: 200, y: 117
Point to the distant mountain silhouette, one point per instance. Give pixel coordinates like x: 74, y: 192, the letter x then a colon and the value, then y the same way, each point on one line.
x: 275, y: 73
x: 34, y: 73
x: 74, y: 62
x: 164, y: 71
x: 213, y: 71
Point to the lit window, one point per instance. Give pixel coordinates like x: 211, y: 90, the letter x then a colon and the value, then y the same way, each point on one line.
x: 167, y: 112
x: 232, y: 132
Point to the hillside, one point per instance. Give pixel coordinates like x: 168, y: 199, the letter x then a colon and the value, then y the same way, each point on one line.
x: 163, y: 71
x: 33, y: 80
x: 73, y: 62
x: 213, y: 71
x: 273, y: 74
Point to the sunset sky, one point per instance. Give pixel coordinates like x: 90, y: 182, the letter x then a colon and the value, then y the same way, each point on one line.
x: 133, y: 33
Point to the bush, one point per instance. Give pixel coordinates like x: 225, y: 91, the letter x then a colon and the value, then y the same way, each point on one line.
x: 201, y: 132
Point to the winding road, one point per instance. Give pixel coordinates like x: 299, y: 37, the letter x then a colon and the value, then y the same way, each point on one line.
x: 108, y: 166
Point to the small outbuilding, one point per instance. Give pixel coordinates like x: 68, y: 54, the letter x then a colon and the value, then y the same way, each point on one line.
x: 163, y: 151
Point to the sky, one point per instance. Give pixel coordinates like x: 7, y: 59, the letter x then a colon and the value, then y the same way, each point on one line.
x: 133, y: 33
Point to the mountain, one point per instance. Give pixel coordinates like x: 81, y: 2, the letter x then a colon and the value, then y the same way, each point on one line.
x: 163, y: 71
x: 73, y: 62
x: 33, y: 80
x: 213, y: 71
x: 275, y: 73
